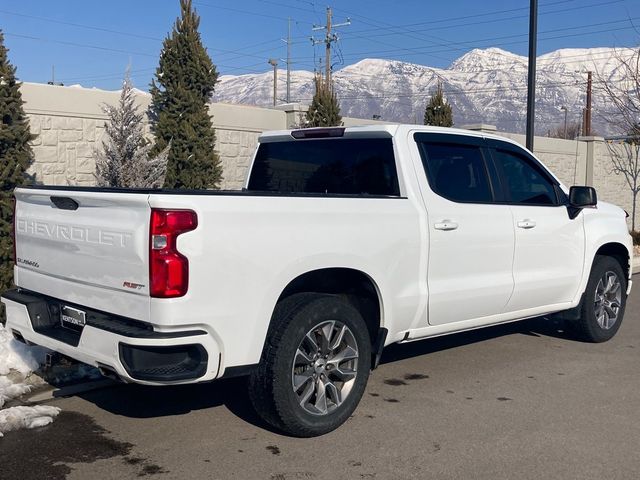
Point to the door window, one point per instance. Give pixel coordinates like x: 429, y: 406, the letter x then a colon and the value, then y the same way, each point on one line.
x: 456, y: 172
x: 524, y: 182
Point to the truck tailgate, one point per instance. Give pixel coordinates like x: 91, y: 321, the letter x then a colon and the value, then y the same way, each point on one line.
x: 96, y: 243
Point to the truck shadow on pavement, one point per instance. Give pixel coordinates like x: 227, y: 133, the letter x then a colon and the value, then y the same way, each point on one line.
x: 535, y: 327
x: 139, y: 401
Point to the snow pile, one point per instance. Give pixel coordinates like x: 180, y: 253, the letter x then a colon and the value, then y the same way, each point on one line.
x: 26, y: 417
x: 17, y: 363
x: 9, y: 390
x: 17, y: 356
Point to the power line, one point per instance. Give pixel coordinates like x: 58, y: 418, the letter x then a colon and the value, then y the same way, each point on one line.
x: 74, y: 44
x: 406, y: 27
x: 80, y: 25
x: 128, y: 34
x: 503, y: 37
x: 404, y: 31
x: 238, y: 10
x: 449, y: 92
x: 106, y: 76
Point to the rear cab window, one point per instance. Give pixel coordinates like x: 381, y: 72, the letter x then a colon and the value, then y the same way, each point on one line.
x: 456, y: 171
x: 343, y: 166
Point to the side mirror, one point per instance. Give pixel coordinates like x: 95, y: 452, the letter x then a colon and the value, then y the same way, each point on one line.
x: 582, y: 197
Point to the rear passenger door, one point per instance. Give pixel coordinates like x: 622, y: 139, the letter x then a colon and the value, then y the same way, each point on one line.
x: 471, y: 239
x: 549, y: 246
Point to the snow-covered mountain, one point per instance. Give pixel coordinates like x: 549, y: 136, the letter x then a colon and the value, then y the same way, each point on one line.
x: 483, y: 86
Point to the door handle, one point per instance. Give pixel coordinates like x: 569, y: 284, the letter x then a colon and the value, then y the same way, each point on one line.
x: 526, y: 224
x: 445, y: 225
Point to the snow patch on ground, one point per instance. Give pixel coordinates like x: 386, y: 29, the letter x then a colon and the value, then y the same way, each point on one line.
x: 10, y: 390
x: 18, y: 356
x: 17, y: 364
x: 15, y: 418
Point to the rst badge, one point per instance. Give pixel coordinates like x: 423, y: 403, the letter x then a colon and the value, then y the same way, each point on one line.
x: 133, y: 286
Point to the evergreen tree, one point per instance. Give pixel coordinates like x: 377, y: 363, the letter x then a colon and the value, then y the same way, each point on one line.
x: 15, y: 159
x: 124, y: 160
x: 179, y: 112
x: 324, y: 110
x: 438, y: 111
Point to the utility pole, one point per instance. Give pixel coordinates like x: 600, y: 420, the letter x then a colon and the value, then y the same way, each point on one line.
x: 565, y: 120
x: 327, y: 55
x: 531, y: 80
x: 288, y: 61
x: 587, y: 112
x: 53, y: 77
x: 328, y: 40
x: 273, y: 62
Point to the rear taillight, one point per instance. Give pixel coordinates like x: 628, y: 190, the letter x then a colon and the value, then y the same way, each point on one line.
x: 168, y: 269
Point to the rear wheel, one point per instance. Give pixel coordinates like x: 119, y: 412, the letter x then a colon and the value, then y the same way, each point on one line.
x: 604, y: 301
x: 315, y: 366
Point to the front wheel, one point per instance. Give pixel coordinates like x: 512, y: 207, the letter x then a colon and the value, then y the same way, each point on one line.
x: 315, y: 366
x: 604, y: 301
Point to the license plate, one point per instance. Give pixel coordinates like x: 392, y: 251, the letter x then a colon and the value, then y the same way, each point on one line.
x: 72, y: 318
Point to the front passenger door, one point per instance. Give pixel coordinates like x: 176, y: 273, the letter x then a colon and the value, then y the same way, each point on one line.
x: 549, y: 246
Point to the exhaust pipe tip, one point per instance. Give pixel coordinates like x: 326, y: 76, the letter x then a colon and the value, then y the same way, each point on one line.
x: 18, y: 336
x: 108, y: 372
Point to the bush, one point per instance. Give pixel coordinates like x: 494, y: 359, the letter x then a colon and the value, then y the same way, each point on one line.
x: 635, y: 234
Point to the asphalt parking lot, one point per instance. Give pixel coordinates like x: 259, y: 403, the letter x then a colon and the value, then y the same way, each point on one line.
x: 518, y: 401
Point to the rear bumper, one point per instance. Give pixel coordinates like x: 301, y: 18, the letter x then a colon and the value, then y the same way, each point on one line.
x: 136, y: 351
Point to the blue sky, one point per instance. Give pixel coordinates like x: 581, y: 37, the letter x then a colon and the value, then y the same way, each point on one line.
x: 92, y: 42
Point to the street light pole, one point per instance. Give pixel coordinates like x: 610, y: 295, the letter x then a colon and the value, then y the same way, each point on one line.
x: 565, y: 121
x: 531, y: 80
x: 273, y: 62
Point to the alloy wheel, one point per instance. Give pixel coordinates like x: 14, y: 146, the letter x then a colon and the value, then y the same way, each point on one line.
x: 325, y: 367
x: 608, y: 300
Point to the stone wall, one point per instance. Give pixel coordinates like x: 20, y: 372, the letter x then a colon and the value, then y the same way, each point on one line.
x: 64, y: 149
x: 565, y: 158
x: 69, y: 124
x: 610, y: 186
x: 236, y: 150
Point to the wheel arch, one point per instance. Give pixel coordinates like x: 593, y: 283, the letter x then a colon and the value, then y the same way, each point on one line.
x: 354, y: 285
x: 617, y: 251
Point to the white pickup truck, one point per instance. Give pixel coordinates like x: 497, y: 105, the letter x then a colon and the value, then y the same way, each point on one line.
x: 344, y: 240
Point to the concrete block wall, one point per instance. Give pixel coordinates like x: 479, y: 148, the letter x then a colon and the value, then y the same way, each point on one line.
x: 565, y: 158
x: 64, y: 149
x: 611, y: 187
x: 69, y: 125
x: 235, y: 149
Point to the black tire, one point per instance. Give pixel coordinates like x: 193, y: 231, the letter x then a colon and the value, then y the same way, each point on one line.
x: 587, y: 326
x: 270, y: 386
